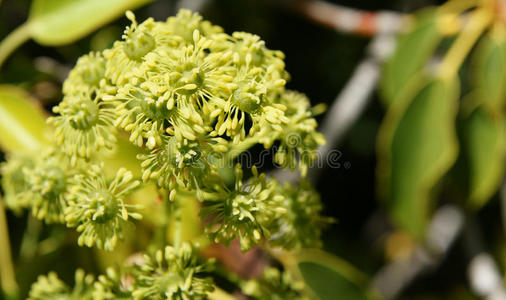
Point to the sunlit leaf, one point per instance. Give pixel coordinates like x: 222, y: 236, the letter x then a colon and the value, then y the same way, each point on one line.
x: 485, y: 145
x: 417, y: 144
x: 413, y: 51
x: 57, y: 22
x: 22, y: 123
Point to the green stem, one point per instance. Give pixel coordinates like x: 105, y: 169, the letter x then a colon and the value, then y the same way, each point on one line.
x: 30, y: 238
x: 178, y: 225
x: 211, y: 196
x: 161, y: 231
x: 458, y: 6
x: 7, y: 275
x: 477, y: 24
x: 13, y: 41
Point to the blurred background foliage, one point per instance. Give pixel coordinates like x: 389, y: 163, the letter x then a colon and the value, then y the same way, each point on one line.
x: 426, y: 139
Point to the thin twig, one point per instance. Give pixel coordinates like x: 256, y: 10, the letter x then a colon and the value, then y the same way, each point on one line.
x: 445, y: 226
x: 350, y: 20
x: 478, y: 23
x: 177, y: 222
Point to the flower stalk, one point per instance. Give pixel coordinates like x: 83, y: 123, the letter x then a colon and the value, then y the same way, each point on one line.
x: 7, y: 275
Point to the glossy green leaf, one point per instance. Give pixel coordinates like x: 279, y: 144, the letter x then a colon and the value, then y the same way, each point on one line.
x: 22, y: 122
x: 489, y: 72
x: 485, y: 145
x: 327, y: 276
x: 58, y: 22
x: 417, y: 144
x: 413, y: 51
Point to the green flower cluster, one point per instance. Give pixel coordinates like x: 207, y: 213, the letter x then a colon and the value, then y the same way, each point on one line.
x: 51, y: 287
x: 188, y: 92
x: 191, y: 98
x: 168, y: 274
x: 84, y: 124
x: 263, y: 209
x: 14, y: 182
x: 96, y: 207
x: 48, y: 183
x: 244, y: 212
x: 301, y: 224
x: 58, y: 193
x: 274, y: 285
x: 173, y: 274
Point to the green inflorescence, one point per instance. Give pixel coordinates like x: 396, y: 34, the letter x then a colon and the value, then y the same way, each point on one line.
x: 112, y: 285
x: 301, y: 224
x: 51, y: 287
x: 97, y: 209
x: 48, y: 186
x: 191, y: 98
x: 244, y: 212
x: 275, y: 285
x: 15, y: 183
x: 84, y: 124
x: 173, y: 274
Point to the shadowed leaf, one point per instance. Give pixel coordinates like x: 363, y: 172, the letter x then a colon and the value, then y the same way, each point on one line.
x: 413, y: 51
x: 327, y: 276
x: 489, y: 72
x: 416, y: 146
x: 484, y: 142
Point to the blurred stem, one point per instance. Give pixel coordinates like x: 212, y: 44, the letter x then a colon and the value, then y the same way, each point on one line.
x: 160, y: 233
x: 7, y: 275
x: 13, y: 41
x: 30, y: 237
x: 458, y: 6
x: 178, y: 224
x: 478, y: 22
